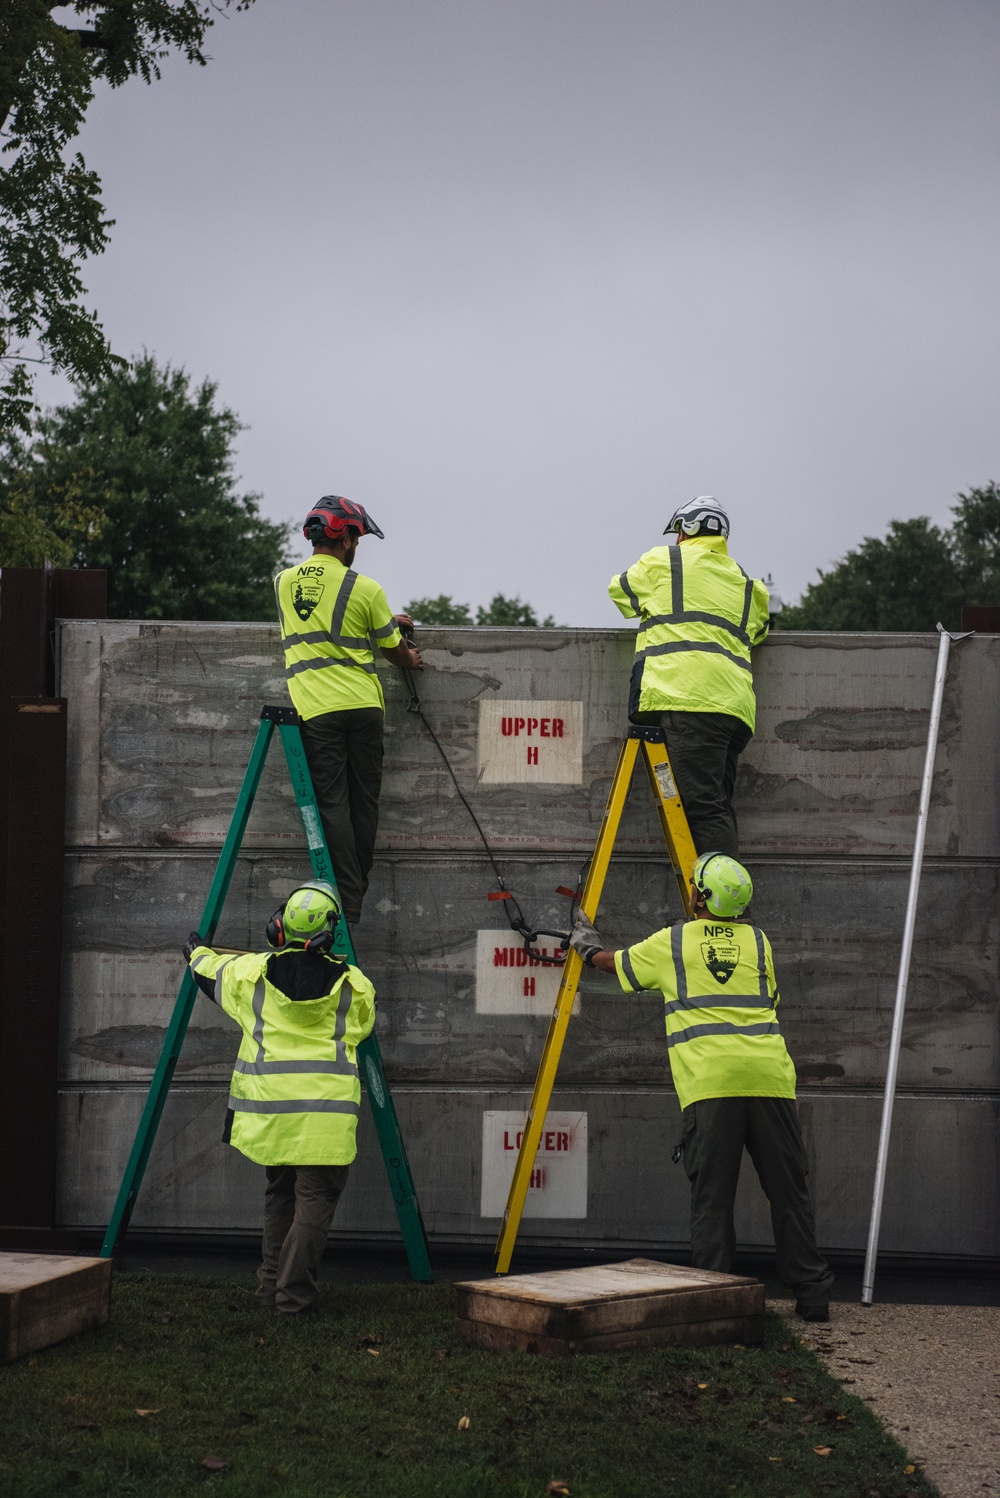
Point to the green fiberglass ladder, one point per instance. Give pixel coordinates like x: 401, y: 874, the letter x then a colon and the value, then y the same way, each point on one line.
x: 386, y: 1123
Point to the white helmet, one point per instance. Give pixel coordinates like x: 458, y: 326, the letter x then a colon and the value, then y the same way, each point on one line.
x: 703, y: 516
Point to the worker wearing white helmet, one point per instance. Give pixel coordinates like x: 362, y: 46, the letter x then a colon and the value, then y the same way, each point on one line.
x: 699, y: 615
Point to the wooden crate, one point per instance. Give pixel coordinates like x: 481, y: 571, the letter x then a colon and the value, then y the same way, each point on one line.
x: 45, y: 1298
x: 610, y: 1308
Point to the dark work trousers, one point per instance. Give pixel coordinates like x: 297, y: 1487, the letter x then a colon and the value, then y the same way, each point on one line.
x: 713, y: 1137
x: 344, y: 753
x: 299, y: 1204
x: 703, y: 750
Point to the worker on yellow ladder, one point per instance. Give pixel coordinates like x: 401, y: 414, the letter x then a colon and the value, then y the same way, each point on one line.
x: 295, y: 1093
x: 735, y: 1080
x: 699, y: 614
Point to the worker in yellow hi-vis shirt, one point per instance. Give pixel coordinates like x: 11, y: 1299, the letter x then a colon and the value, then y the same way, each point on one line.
x: 735, y: 1080
x: 330, y: 616
x: 699, y: 614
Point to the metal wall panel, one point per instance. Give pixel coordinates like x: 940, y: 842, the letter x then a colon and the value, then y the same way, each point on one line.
x: 161, y: 719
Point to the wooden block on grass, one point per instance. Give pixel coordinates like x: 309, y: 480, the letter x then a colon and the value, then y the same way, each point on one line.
x: 45, y: 1298
x: 610, y: 1308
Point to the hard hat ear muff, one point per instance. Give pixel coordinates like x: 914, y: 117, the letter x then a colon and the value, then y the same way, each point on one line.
x: 274, y: 931
x: 321, y: 942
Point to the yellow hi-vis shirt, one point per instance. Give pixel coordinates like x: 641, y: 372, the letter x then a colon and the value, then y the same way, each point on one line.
x: 329, y: 617
x: 717, y: 981
x: 295, y: 1093
x: 699, y: 615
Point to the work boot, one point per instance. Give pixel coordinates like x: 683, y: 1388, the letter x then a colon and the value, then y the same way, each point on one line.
x: 819, y: 1311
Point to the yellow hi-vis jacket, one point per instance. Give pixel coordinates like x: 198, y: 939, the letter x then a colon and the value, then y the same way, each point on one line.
x: 700, y: 613
x: 295, y: 1094
x: 717, y: 981
x: 329, y: 617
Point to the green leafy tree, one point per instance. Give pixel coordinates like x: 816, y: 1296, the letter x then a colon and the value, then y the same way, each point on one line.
x: 440, y: 610
x: 502, y: 611
x: 908, y: 581
x: 54, y: 527
x: 512, y: 613
x: 976, y: 543
x: 51, y: 215
x: 149, y: 459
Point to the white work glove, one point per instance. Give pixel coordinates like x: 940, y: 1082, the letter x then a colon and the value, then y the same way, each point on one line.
x: 585, y: 939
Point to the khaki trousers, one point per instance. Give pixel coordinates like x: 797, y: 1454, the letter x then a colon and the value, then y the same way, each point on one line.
x: 299, y: 1204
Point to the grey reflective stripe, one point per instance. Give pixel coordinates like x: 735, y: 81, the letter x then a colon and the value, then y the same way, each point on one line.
x: 323, y: 637
x: 342, y: 1068
x: 697, y: 616
x: 706, y: 647
x: 694, y: 1032
x: 680, y: 972
x: 319, y: 663
x: 761, y: 964
x: 216, y: 994
x: 629, y: 592
x: 629, y: 971
x: 386, y: 629
x: 258, y: 1017
x: 723, y: 1001
x: 340, y: 606
x: 676, y: 579
x: 747, y: 601
x: 293, y: 1105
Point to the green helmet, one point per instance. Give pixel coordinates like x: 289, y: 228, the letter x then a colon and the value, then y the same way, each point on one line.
x: 725, y: 884
x: 310, y: 910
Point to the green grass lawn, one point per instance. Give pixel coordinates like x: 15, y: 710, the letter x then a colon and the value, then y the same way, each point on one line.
x: 366, y: 1399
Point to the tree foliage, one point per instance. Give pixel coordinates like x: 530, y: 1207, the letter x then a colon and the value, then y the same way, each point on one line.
x: 137, y: 476
x: 501, y: 611
x: 51, y: 215
x: 914, y: 578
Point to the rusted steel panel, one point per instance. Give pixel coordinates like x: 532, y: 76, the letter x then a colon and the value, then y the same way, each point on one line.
x: 938, y: 1201
x: 835, y: 767
x: 835, y: 930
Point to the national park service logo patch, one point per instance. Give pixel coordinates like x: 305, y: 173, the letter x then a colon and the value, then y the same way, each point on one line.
x: 720, y: 959
x: 305, y: 597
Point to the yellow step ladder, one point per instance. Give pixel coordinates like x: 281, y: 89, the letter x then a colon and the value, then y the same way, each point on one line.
x: 649, y: 743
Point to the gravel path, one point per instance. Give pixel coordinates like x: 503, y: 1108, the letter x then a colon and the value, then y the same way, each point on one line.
x: 932, y: 1374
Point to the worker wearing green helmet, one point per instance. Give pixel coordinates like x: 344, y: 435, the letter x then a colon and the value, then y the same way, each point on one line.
x: 734, y: 1077
x: 295, y: 1094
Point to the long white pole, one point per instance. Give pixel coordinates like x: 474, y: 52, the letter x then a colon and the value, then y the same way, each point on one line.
x: 895, y: 1041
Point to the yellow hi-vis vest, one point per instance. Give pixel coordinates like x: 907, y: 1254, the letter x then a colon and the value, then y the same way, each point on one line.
x: 329, y: 617
x: 295, y: 1093
x: 717, y: 981
x: 700, y: 613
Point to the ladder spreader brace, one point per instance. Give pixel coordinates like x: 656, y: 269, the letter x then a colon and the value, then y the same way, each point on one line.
x: 677, y: 834
x: 386, y: 1123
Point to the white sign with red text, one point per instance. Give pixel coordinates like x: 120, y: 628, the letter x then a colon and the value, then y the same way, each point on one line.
x: 559, y: 1178
x: 534, y: 743
x: 508, y: 981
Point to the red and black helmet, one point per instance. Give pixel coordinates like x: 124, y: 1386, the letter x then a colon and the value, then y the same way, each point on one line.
x: 329, y: 519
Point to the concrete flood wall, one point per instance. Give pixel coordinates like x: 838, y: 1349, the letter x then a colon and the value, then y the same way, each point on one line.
x: 162, y: 717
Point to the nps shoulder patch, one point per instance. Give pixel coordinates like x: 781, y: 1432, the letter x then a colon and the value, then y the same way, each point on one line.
x: 305, y: 597
x: 720, y: 958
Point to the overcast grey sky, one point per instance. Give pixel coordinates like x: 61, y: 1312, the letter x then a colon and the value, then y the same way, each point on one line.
x: 520, y: 276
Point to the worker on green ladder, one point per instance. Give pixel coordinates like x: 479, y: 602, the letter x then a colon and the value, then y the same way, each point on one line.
x: 295, y: 1093
x: 329, y: 616
x: 699, y: 614
x: 735, y: 1080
